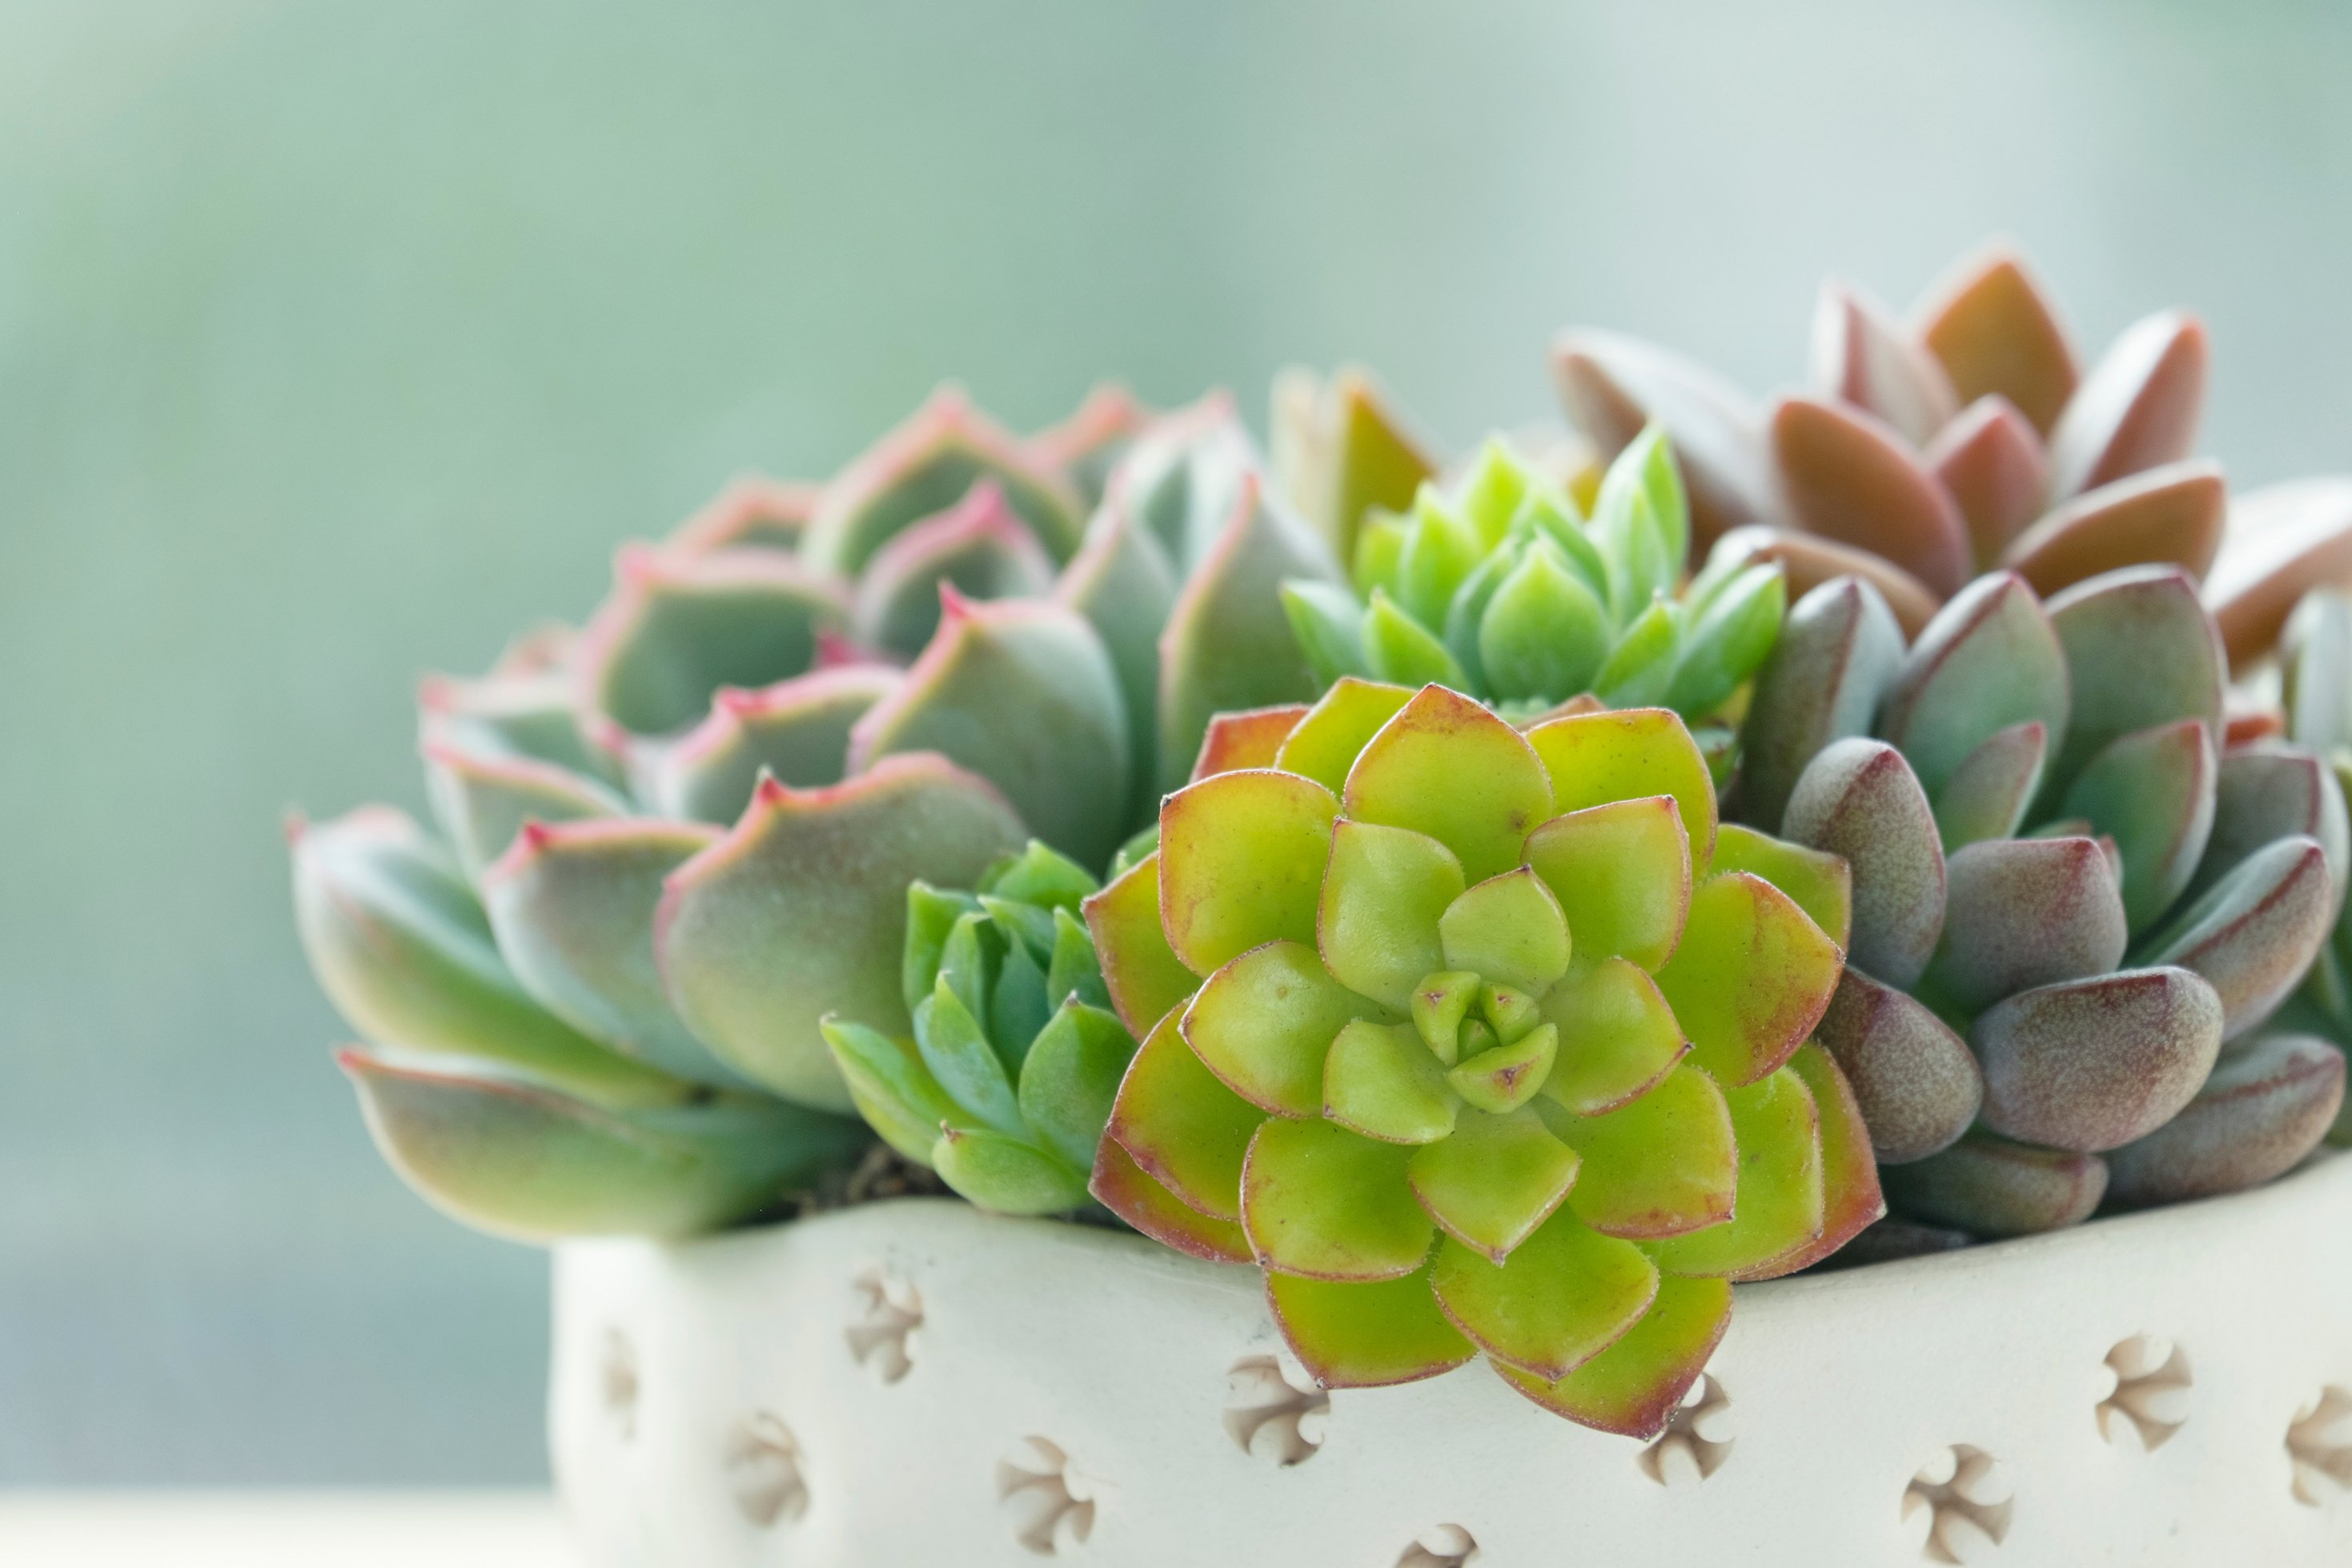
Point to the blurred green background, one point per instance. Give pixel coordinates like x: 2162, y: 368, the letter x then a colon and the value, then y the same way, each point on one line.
x: 337, y: 339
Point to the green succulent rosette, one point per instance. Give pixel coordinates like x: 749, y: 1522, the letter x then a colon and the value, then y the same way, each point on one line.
x: 2077, y: 905
x: 670, y: 843
x: 1502, y: 588
x: 1480, y: 1041
x: 1004, y: 1083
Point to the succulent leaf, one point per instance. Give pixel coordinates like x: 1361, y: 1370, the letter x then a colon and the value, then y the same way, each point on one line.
x: 1862, y: 357
x: 1995, y: 330
x: 1140, y: 969
x: 1750, y: 979
x: 798, y: 730
x: 1377, y: 915
x: 1635, y: 1385
x: 2023, y: 912
x: 1340, y: 451
x: 1250, y: 737
x: 2253, y: 934
x: 1121, y: 1185
x: 1778, y: 1205
x: 1664, y: 1163
x: 1265, y: 1022
x: 2152, y: 792
x: 2137, y: 409
x: 1836, y: 657
x: 1852, y: 478
x: 1991, y: 460
x: 1988, y: 794
x: 2140, y: 652
x: 1992, y: 1188
x: 1990, y: 659
x: 1615, y: 387
x: 1559, y: 1300
x: 1916, y: 1084
x: 1860, y: 799
x: 1122, y: 582
x: 2171, y: 515
x: 2263, y: 1109
x: 2282, y: 540
x: 2090, y: 1064
x: 482, y: 802
x: 1358, y: 1335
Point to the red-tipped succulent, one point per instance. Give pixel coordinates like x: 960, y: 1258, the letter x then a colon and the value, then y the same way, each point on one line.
x: 1480, y: 1041
x: 679, y: 839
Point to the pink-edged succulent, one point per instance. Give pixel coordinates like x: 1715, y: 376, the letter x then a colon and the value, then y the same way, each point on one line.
x: 680, y: 838
x: 2073, y: 895
x: 1479, y: 1041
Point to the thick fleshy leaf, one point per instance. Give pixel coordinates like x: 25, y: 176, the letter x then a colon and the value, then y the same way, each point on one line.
x: 1376, y: 922
x: 1992, y: 1188
x: 1326, y: 743
x: 1505, y: 1077
x: 1252, y: 738
x: 1085, y: 446
x: 2283, y: 540
x: 922, y: 468
x: 1265, y: 1022
x: 1862, y: 357
x: 1448, y: 768
x: 1365, y: 1335
x: 482, y: 802
x: 2152, y: 792
x: 1991, y: 460
x: 2139, y: 652
x: 1917, y: 1084
x: 1070, y: 1080
x: 534, y: 716
x: 1780, y: 1205
x: 1729, y: 640
x: 1850, y: 1200
x: 1381, y: 1080
x: 1615, y: 386
x: 1228, y: 643
x: 1633, y: 1387
x: 1990, y: 659
x: 2023, y: 912
x: 1750, y: 979
x: 2315, y: 654
x: 2091, y: 1064
x: 1664, y: 1163
x: 1595, y: 759
x: 1328, y: 622
x: 1242, y: 857
x: 1508, y: 928
x: 1320, y: 1201
x: 1183, y: 478
x: 1618, y: 1038
x: 1006, y: 1174
x: 892, y: 1090
x: 1494, y: 1181
x: 797, y: 730
x: 1024, y: 695
x: 1994, y: 329
x: 1122, y: 582
x: 2253, y: 934
x: 980, y: 547
x: 1121, y: 1185
x: 573, y: 909
x: 1341, y: 449
x: 2137, y: 409
x: 1836, y: 657
x: 679, y: 627
x: 1543, y: 635
x: 963, y: 1060
x: 1440, y: 549
x: 753, y: 511
x: 521, y: 1160
x: 1140, y: 969
x: 1850, y: 477
x: 1859, y: 798
x: 1820, y: 884
x: 801, y: 911
x: 2263, y: 1109
x: 1621, y: 875
x: 1640, y: 670
x: 1563, y: 1297
x: 2268, y: 791
x: 1809, y: 561
x: 1181, y: 1125
x: 1988, y: 794
x: 2169, y: 515
x: 404, y: 952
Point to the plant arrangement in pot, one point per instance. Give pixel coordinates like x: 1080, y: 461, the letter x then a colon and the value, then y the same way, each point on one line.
x: 1333, y: 920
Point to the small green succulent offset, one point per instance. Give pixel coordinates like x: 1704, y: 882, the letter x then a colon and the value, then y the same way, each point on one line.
x: 1502, y: 588
x: 1007, y: 1078
x: 2076, y: 904
x: 1479, y: 1041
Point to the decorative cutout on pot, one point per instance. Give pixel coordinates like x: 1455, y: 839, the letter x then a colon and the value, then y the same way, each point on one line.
x: 1446, y: 1546
x: 2319, y: 1444
x: 1051, y: 1504
x: 1968, y: 1500
x: 2151, y: 1393
x: 1274, y: 1411
x: 616, y: 1375
x: 1696, y: 1440
x: 891, y: 1309
x: 764, y: 1469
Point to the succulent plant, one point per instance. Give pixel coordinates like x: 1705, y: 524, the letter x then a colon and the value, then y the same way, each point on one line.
x: 681, y: 837
x: 1503, y: 590
x: 1480, y: 1040
x: 2315, y: 656
x: 2070, y: 900
x: 1007, y: 1079
x: 1969, y: 439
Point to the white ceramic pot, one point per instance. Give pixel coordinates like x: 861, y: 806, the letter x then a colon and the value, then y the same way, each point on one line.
x: 915, y: 1384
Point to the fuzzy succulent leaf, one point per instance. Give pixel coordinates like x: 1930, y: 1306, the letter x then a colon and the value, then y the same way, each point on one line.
x: 1990, y: 1187
x: 1990, y: 659
x: 797, y: 731
x: 2262, y: 1110
x: 1823, y: 680
x: 2090, y: 1064
x: 1917, y: 1085
x: 1340, y: 451
x: 980, y: 547
x: 1860, y: 799
x: 2140, y: 651
x: 1853, y: 478
x: 482, y: 802
x: 1995, y: 330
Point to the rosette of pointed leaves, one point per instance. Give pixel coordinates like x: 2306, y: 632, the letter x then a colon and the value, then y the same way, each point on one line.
x: 1969, y: 438
x: 1502, y: 588
x: 678, y: 838
x: 2070, y: 900
x: 1007, y: 1080
x: 1479, y: 1041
